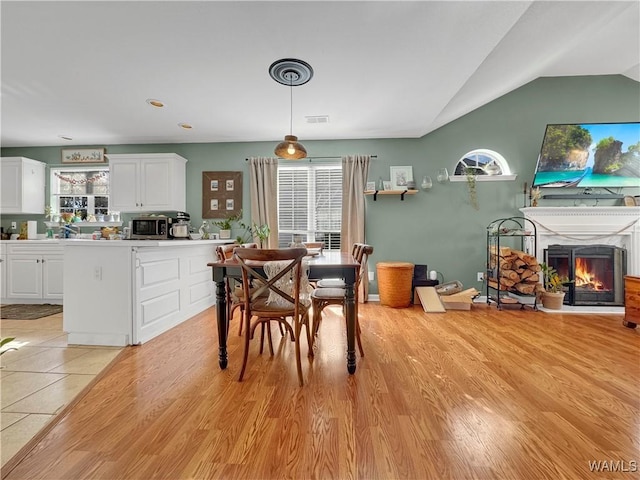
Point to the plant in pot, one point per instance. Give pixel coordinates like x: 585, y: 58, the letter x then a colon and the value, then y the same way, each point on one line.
x: 261, y: 232
x: 226, y: 224
x: 553, y: 294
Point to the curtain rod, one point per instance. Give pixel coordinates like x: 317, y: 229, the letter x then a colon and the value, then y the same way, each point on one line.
x: 318, y: 158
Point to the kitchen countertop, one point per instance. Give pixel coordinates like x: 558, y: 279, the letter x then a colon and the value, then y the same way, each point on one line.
x: 118, y: 243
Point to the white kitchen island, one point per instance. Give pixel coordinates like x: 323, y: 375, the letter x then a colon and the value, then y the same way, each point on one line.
x: 125, y: 292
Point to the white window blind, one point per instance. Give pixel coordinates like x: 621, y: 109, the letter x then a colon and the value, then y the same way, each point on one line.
x: 310, y: 204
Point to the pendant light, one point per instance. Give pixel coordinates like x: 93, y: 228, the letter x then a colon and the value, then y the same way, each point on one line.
x: 291, y: 72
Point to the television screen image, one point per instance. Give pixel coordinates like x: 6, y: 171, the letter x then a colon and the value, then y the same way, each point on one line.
x: 589, y: 155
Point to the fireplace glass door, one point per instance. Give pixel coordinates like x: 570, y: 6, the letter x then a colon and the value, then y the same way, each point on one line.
x: 596, y: 272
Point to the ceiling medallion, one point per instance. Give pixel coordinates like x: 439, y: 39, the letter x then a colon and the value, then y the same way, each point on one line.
x: 291, y: 72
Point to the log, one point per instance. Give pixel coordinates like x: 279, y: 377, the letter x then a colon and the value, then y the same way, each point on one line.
x: 507, y: 282
x: 518, y: 263
x: 504, y: 264
x: 526, y: 274
x: 526, y: 289
x: 535, y: 278
x: 510, y: 274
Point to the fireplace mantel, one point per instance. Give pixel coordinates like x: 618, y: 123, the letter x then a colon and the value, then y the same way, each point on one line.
x: 588, y: 226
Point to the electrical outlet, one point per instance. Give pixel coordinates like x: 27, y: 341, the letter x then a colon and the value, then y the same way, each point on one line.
x: 14, y: 225
x: 481, y: 276
x: 97, y: 273
x: 371, y: 276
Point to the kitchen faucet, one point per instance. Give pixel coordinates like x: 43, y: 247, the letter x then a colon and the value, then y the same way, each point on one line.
x: 67, y: 230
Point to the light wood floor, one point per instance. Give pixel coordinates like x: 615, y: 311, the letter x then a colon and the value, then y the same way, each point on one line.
x: 462, y: 395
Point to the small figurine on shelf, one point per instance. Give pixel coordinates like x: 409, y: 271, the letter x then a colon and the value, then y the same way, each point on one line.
x: 205, y: 230
x: 535, y: 196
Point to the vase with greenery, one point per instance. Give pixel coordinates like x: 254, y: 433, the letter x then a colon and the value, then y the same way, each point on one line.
x: 471, y: 186
x: 261, y: 232
x: 226, y: 224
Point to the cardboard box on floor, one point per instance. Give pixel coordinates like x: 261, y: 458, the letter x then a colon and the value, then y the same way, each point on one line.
x: 434, y: 303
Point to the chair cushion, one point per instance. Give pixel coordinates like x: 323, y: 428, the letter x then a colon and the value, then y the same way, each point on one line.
x: 262, y: 306
x: 328, y: 293
x: 330, y: 283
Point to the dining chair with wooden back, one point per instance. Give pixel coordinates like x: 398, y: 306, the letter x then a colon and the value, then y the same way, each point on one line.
x: 280, y: 273
x: 234, y: 292
x: 323, y: 297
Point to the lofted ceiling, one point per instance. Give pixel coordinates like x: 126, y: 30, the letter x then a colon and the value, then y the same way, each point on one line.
x: 85, y: 69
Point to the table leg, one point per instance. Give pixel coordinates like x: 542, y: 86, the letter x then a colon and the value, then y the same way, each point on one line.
x: 350, y: 308
x: 221, y: 311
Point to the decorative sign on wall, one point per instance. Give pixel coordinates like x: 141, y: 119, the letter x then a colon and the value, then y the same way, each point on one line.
x: 221, y: 194
x: 83, y: 155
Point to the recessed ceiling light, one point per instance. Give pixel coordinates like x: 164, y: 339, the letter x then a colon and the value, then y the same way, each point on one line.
x: 155, y: 103
x: 64, y: 137
x: 186, y: 126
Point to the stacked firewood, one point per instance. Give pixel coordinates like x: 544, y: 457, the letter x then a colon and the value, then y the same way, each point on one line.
x: 513, y: 271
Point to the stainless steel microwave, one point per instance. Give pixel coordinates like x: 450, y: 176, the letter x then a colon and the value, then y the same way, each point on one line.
x: 150, y: 228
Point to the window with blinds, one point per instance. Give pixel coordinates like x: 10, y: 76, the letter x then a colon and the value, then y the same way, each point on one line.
x: 310, y: 204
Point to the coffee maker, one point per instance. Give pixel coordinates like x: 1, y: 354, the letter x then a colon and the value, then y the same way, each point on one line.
x: 180, y: 225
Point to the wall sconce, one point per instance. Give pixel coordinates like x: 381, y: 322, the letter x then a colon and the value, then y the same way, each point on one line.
x: 443, y: 175
x: 426, y: 183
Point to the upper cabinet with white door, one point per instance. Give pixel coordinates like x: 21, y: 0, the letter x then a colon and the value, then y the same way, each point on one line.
x: 147, y: 182
x: 23, y: 182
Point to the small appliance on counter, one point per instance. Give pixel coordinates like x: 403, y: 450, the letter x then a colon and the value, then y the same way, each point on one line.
x: 150, y: 228
x: 180, y: 225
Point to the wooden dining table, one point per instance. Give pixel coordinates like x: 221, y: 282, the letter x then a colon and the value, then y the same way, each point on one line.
x: 328, y: 264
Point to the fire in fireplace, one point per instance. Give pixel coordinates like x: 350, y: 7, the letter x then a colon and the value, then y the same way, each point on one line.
x: 596, y: 272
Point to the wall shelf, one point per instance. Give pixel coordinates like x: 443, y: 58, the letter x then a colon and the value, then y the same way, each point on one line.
x: 401, y: 193
x: 580, y: 196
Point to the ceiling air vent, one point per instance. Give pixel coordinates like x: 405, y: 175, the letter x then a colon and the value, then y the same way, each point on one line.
x: 317, y: 119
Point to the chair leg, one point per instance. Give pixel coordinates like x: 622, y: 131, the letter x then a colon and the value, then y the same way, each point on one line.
x: 247, y: 337
x: 268, y: 326
x: 298, y: 328
x: 261, y: 337
x: 358, y: 338
x: 241, y: 314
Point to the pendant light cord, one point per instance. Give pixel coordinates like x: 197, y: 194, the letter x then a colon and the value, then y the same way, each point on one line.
x: 290, y: 104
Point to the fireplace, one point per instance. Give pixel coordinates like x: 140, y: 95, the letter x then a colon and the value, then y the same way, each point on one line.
x: 596, y: 272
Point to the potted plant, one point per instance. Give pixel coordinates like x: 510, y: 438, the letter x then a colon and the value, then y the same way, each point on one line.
x: 553, y: 294
x: 226, y: 224
x: 261, y: 232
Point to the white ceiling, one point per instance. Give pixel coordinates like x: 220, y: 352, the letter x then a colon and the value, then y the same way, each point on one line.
x: 382, y: 69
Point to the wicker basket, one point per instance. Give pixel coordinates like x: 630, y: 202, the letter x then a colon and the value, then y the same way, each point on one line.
x: 394, y: 283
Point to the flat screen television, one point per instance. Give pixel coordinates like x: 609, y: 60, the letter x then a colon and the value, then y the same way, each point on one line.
x: 589, y: 155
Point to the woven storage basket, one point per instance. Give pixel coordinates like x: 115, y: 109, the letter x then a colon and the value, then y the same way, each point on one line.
x: 394, y: 283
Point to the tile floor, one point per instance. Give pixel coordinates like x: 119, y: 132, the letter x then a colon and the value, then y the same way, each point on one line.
x: 41, y: 377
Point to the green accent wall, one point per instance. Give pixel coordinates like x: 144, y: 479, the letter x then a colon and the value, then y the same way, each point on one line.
x: 438, y: 227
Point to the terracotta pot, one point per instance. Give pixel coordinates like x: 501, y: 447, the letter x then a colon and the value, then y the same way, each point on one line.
x: 553, y: 300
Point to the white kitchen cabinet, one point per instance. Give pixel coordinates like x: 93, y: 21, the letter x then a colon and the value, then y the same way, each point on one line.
x: 147, y: 182
x: 128, y: 292
x: 34, y: 273
x: 23, y: 186
x: 3, y: 271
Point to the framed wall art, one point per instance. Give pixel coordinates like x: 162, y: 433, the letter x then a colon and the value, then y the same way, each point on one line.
x: 221, y: 194
x: 83, y: 155
x: 400, y: 176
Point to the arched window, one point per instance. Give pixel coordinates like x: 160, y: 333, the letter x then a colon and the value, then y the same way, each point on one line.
x: 486, y: 165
